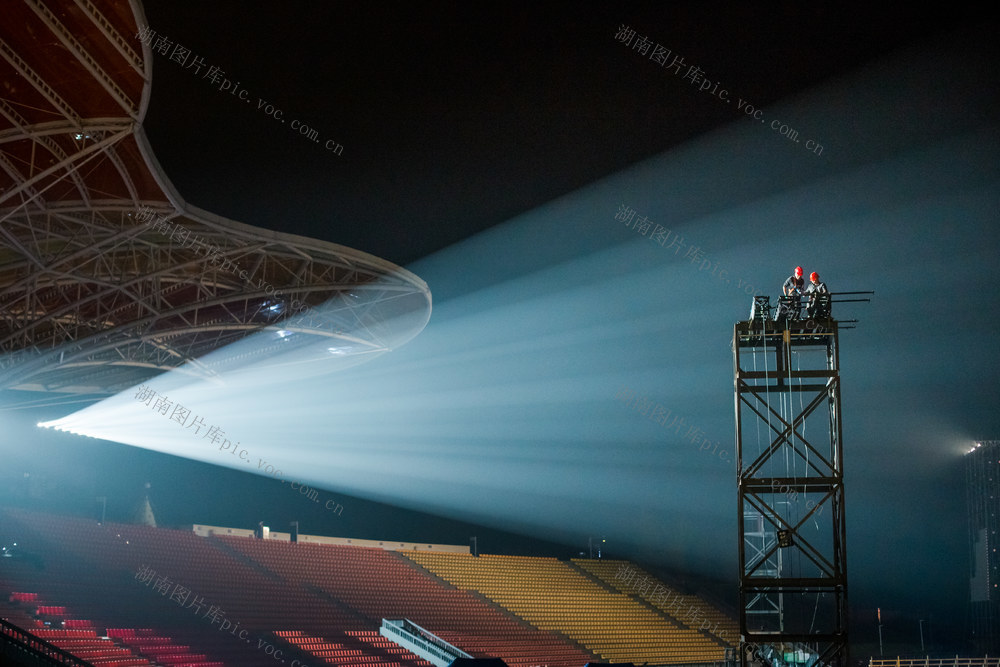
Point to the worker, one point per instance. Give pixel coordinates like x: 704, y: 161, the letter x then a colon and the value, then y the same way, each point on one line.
x: 815, y: 288
x: 794, y: 283
x: 790, y: 307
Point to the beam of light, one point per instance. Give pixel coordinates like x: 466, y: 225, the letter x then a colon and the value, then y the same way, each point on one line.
x: 46, y: 401
x: 503, y: 410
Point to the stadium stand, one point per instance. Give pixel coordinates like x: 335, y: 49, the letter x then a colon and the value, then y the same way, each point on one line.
x: 383, y: 584
x: 552, y: 594
x: 684, y: 608
x: 129, y: 595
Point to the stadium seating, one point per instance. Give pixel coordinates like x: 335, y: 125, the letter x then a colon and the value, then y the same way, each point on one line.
x: 174, y: 598
x: 354, y: 648
x: 719, y: 623
x: 554, y: 595
x: 383, y: 584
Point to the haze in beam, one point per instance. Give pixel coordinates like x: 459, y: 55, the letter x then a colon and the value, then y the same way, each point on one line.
x: 507, y: 409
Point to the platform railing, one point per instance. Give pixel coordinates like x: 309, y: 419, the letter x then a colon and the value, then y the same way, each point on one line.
x: 985, y: 661
x: 422, y: 642
x: 14, y: 640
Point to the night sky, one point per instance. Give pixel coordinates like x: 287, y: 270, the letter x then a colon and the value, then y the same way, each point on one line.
x: 488, y: 148
x: 456, y: 117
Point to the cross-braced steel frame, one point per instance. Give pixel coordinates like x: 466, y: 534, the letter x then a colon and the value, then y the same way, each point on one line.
x: 95, y: 301
x: 107, y: 276
x: 792, y: 531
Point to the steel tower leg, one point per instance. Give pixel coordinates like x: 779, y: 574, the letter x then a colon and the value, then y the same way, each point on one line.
x: 790, y: 481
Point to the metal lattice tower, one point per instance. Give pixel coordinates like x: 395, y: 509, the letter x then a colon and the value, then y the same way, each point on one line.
x: 792, y: 531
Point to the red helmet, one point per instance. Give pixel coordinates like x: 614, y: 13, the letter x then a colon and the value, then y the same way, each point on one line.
x: 814, y: 277
x: 798, y: 270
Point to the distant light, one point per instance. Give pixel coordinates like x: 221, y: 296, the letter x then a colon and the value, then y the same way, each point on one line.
x: 275, y: 308
x: 284, y: 334
x: 336, y: 350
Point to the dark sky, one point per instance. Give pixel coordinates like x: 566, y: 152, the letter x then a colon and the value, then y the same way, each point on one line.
x: 531, y: 123
x: 454, y: 117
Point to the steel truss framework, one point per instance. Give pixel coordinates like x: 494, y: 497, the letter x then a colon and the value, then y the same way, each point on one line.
x: 792, y: 530
x: 982, y: 484
x: 107, y: 276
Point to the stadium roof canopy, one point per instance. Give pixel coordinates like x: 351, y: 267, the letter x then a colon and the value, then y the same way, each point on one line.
x: 107, y: 276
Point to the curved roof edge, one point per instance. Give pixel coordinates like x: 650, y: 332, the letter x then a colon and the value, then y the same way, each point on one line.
x: 183, y: 208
